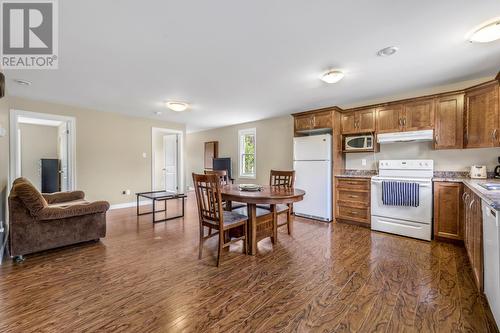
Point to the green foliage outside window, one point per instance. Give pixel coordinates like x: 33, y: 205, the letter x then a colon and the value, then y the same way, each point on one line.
x: 248, y: 156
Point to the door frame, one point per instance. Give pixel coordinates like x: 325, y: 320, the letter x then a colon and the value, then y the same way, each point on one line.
x: 15, y: 146
x: 180, y: 161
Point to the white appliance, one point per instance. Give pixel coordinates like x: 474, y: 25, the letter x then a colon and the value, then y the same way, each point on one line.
x: 407, y: 221
x: 412, y: 136
x: 478, y: 171
x: 358, y: 142
x: 491, y: 250
x: 313, y: 173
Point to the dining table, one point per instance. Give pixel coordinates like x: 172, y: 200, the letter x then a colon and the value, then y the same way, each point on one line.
x: 267, y: 195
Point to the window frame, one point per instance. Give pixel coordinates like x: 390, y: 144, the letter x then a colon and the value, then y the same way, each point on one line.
x: 241, y: 150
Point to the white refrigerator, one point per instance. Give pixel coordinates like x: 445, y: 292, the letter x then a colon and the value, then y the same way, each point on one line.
x: 312, y: 162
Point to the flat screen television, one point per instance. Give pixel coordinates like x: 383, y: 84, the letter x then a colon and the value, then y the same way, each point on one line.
x: 223, y: 163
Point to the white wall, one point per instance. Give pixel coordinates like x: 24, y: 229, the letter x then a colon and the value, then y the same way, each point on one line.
x: 444, y: 160
x: 109, y: 149
x: 274, y: 147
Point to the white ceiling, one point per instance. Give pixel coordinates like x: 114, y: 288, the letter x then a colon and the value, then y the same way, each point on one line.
x: 238, y: 61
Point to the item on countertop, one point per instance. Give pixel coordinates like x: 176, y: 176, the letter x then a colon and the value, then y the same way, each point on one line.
x: 497, y: 169
x: 478, y: 172
x: 250, y: 187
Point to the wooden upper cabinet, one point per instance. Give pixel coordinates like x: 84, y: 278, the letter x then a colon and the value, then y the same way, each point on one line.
x: 448, y: 210
x: 366, y: 120
x: 348, y: 121
x: 449, y: 122
x: 362, y: 121
x: 389, y: 118
x: 322, y: 120
x: 481, y: 117
x: 418, y: 115
x: 304, y: 122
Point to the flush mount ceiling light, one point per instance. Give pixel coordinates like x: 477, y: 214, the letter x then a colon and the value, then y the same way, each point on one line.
x: 486, y: 33
x: 332, y: 76
x: 22, y: 82
x: 387, y: 51
x: 177, y: 106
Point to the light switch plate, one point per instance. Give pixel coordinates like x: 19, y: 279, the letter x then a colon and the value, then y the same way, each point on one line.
x: 363, y: 161
x: 3, y: 132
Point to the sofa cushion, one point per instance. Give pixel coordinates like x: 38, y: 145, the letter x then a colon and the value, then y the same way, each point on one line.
x: 69, y: 203
x: 30, y: 196
x: 55, y: 213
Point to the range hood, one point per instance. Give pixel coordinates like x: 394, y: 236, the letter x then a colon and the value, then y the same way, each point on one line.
x: 415, y: 136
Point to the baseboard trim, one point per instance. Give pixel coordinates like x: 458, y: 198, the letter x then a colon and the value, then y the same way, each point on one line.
x: 129, y: 204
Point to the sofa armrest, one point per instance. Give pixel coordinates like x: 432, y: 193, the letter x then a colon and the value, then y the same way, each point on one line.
x: 60, y: 197
x: 54, y: 213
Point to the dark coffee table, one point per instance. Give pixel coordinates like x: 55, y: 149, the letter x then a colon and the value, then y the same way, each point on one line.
x: 160, y: 196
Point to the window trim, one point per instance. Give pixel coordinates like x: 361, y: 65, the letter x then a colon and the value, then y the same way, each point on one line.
x: 242, y: 133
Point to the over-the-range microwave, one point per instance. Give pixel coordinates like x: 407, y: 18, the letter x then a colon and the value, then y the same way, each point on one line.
x: 358, y: 142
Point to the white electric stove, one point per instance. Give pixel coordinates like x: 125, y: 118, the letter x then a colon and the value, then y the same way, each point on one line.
x: 407, y: 221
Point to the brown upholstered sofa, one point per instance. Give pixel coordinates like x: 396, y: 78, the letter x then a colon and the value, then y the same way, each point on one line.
x: 40, y: 222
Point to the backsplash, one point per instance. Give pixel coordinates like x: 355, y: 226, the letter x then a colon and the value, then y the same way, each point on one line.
x: 444, y: 160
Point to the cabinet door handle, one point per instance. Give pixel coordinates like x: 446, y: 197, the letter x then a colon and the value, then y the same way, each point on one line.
x: 353, y: 196
x: 436, y: 138
x: 495, y: 132
x: 404, y: 121
x: 400, y: 122
x: 471, y: 203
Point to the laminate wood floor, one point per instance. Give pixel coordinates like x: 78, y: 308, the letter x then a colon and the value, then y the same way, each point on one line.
x: 323, y: 278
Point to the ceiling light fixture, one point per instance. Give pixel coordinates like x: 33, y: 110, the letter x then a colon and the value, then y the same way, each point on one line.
x: 22, y: 82
x: 332, y: 76
x: 177, y: 106
x: 488, y: 32
x: 387, y: 51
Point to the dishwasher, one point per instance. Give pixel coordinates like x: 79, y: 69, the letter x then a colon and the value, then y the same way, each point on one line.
x: 491, y: 250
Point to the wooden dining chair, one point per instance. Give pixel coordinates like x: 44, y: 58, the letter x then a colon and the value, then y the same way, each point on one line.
x: 224, y: 180
x: 287, y: 179
x: 222, y: 174
x: 212, y: 215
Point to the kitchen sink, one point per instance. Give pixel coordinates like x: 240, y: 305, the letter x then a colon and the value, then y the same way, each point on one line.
x: 490, y: 186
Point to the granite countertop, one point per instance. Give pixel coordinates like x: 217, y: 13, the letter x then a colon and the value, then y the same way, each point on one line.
x: 354, y: 176
x: 491, y: 197
x: 353, y: 173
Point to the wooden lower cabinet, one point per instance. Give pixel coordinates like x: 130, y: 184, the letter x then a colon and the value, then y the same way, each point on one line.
x: 448, y: 211
x: 473, y: 234
x: 352, y: 200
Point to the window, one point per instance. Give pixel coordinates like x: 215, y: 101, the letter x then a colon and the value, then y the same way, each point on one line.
x: 247, y: 153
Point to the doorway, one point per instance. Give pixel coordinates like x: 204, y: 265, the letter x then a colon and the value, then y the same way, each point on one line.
x: 43, y: 150
x: 167, y: 160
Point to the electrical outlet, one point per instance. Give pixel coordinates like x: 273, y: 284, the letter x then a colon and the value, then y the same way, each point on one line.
x: 126, y: 192
x: 363, y: 161
x: 144, y: 155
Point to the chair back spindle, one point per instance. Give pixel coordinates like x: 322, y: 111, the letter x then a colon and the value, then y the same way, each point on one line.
x: 282, y: 178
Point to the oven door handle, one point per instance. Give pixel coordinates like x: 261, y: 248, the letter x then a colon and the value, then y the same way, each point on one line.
x: 420, y: 184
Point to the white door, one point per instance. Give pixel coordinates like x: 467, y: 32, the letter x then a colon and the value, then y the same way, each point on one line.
x: 314, y: 177
x: 170, y: 144
x: 63, y: 146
